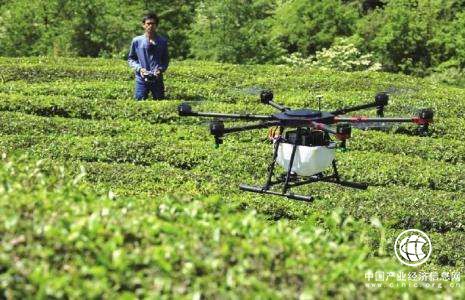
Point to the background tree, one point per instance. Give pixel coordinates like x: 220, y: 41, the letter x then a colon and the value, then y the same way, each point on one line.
x: 306, y: 26
x: 88, y: 28
x: 400, y: 34
x: 234, y: 31
x: 410, y: 36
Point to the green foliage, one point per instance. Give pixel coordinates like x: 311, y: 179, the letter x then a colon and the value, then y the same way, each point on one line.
x: 451, y: 38
x: 401, y: 34
x: 119, y: 198
x: 308, y: 26
x: 409, y: 36
x: 234, y: 31
x: 25, y: 27
x: 61, y: 239
x: 87, y: 28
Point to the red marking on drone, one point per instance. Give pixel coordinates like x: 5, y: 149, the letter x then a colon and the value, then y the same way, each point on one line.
x: 358, y: 118
x: 420, y: 121
x: 341, y: 136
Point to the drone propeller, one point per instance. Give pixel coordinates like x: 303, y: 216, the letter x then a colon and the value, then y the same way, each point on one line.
x: 383, y: 126
x: 247, y: 91
x: 412, y: 110
x: 253, y: 90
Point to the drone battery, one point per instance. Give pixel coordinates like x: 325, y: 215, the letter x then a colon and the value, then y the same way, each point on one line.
x: 308, y: 160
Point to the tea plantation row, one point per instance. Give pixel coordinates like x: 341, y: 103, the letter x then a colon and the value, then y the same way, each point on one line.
x: 146, y: 206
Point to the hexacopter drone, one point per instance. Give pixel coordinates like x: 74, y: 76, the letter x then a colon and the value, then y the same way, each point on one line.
x: 302, y: 140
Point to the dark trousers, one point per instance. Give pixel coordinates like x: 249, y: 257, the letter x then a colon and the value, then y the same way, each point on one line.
x: 143, y: 88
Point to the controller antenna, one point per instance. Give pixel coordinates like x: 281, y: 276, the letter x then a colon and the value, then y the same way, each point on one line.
x: 319, y: 97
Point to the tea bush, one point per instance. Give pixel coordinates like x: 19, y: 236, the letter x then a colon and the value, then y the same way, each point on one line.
x: 102, y: 196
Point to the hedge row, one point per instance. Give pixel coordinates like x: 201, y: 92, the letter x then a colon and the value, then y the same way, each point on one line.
x: 391, y: 169
x: 404, y: 101
x: 202, y: 80
x: 60, y: 239
x: 151, y: 111
x: 375, y: 168
x: 163, y: 111
x: 452, y: 151
x: 23, y: 124
x: 448, y: 150
x: 394, y: 205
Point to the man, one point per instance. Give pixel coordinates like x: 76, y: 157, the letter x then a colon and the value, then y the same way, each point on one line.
x: 148, y: 57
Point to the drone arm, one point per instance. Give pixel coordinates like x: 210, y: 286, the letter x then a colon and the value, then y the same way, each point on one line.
x: 266, y: 97
x: 278, y: 106
x: 423, y: 119
x: 381, y: 100
x: 186, y: 110
x: 218, y: 130
x: 361, y: 119
x: 250, y: 127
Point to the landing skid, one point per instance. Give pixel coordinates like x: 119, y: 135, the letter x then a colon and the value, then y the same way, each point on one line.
x: 290, y: 180
x: 261, y: 190
x: 297, y: 181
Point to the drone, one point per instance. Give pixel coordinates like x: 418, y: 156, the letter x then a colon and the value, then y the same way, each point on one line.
x: 302, y: 140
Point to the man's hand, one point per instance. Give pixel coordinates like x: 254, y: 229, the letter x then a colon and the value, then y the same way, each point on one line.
x: 157, y: 72
x: 143, y: 72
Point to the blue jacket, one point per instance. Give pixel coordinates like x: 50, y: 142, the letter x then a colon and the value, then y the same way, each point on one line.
x: 149, y: 56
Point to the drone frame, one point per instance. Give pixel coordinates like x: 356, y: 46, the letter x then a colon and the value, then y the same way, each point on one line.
x: 305, y: 118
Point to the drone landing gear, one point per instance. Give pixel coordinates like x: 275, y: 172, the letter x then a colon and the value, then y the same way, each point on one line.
x: 295, y: 180
x: 291, y: 179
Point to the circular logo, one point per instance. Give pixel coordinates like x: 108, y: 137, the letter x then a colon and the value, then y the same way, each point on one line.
x: 413, y: 247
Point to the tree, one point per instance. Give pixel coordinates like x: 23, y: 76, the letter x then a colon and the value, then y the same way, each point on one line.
x: 88, y: 28
x: 306, y: 26
x: 401, y: 35
x: 234, y: 31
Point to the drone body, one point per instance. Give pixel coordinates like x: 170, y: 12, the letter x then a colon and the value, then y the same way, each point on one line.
x: 302, y: 141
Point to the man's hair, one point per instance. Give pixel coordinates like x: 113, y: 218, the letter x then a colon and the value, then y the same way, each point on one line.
x: 150, y: 15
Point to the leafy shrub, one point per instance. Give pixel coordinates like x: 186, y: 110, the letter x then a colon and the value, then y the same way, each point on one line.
x: 400, y: 35
x: 307, y: 26
x: 452, y: 76
x: 233, y: 31
x: 62, y: 239
x: 128, y: 214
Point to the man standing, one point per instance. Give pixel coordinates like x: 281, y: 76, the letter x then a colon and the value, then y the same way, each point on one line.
x: 148, y: 57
